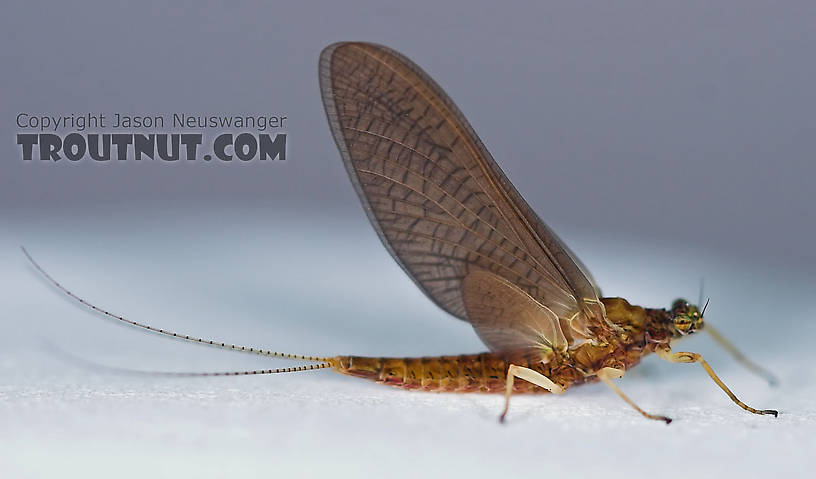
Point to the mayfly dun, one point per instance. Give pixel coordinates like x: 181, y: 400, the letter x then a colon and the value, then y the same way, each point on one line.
x: 453, y: 221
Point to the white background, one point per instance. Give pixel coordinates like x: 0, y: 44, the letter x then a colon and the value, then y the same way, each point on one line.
x: 293, y: 288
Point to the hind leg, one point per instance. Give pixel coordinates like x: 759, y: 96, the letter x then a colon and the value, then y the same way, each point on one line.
x: 528, y: 375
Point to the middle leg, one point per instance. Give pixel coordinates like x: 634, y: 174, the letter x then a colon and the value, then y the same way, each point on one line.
x: 607, y: 374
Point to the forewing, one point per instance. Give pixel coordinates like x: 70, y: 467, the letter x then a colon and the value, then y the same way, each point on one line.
x: 439, y: 202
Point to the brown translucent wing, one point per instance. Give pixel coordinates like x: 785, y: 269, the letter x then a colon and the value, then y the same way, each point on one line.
x: 507, y: 318
x: 439, y: 202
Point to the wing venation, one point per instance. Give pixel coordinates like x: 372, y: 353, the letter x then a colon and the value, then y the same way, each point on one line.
x: 439, y: 202
x: 507, y: 318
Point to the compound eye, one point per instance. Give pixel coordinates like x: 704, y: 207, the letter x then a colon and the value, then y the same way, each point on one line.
x: 680, y: 306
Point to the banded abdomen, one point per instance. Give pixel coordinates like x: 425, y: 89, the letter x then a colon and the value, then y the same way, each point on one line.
x: 486, y: 372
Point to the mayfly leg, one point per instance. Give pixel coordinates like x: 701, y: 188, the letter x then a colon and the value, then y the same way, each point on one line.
x: 607, y: 374
x: 528, y: 375
x: 687, y: 357
x: 741, y: 358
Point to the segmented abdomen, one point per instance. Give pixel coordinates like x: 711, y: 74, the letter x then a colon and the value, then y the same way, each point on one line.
x: 467, y: 373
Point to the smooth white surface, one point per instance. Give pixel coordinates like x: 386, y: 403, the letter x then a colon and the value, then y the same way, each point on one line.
x: 324, y: 286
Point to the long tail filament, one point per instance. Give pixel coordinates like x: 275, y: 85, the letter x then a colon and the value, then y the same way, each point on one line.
x: 323, y: 362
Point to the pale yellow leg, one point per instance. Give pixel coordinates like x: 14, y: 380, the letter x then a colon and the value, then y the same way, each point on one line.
x: 528, y: 375
x: 607, y: 374
x: 737, y: 354
x: 686, y: 357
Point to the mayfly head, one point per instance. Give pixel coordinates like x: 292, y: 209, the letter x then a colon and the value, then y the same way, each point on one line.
x: 686, y: 318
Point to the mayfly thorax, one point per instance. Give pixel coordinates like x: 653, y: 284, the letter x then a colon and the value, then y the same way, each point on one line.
x: 453, y: 221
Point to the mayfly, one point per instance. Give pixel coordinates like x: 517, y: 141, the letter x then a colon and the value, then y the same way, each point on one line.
x: 453, y: 221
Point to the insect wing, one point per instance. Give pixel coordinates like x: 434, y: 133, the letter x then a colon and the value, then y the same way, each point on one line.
x: 439, y: 202
x: 507, y: 318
